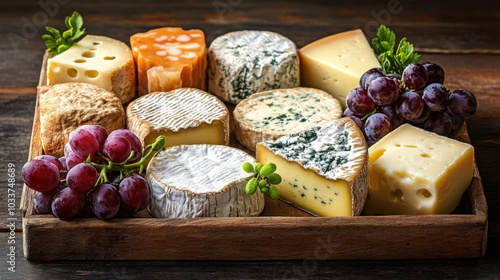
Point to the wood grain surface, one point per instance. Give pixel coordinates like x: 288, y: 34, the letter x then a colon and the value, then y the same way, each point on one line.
x: 462, y: 36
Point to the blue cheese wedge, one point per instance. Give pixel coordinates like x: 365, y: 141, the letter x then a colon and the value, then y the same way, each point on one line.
x: 324, y: 169
x: 246, y: 62
x: 201, y: 181
x: 271, y: 114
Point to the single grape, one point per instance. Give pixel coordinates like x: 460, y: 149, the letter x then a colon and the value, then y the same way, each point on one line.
x: 41, y: 175
x: 456, y: 123
x: 62, y: 160
x: 377, y: 126
x: 72, y: 159
x: 67, y: 204
x: 104, y: 201
x: 369, y: 76
x: 273, y: 193
x: 145, y: 201
x: 262, y: 183
x: 83, y: 143
x: 435, y: 97
x: 435, y: 74
x: 383, y: 91
x: 98, y: 132
x: 423, y: 117
x: 133, y: 192
x: 274, y: 178
x: 395, y: 120
x: 135, y: 143
x: 396, y: 79
x: 348, y: 113
x: 415, y: 76
x: 248, y: 167
x: 359, y: 102
x: 43, y: 201
x: 409, y: 106
x: 251, y: 186
x: 117, y: 148
x: 268, y: 169
x: 82, y: 177
x: 258, y: 167
x: 52, y: 159
x: 438, y: 122
x: 462, y: 103
x: 359, y: 122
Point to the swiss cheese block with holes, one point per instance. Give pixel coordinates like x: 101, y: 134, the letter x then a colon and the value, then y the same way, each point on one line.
x: 183, y: 116
x: 413, y: 171
x: 97, y: 60
x: 242, y: 63
x: 169, y: 58
x: 201, y: 181
x: 336, y: 63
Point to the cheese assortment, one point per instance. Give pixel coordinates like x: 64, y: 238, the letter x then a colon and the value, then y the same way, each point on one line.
x: 324, y: 169
x: 335, y: 63
x: 201, y: 181
x: 271, y: 114
x: 242, y: 63
x: 169, y: 58
x: 97, y: 60
x: 413, y: 171
x: 183, y: 116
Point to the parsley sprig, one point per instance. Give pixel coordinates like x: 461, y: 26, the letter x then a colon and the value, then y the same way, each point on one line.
x: 393, y: 63
x: 57, y: 43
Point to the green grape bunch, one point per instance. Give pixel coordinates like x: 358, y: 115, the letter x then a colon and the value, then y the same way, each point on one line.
x: 264, y: 178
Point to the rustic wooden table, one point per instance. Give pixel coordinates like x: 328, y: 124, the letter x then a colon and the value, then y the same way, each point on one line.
x: 462, y: 37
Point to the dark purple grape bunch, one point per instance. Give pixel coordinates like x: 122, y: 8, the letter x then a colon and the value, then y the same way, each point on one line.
x: 71, y: 186
x: 384, y: 102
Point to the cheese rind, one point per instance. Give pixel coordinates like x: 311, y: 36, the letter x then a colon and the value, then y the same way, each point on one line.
x: 183, y: 116
x: 413, y: 171
x: 324, y: 169
x: 242, y: 63
x: 97, y: 60
x: 271, y: 114
x: 336, y: 63
x: 170, y: 58
x: 201, y: 181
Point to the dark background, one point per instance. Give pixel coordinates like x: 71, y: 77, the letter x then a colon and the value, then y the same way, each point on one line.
x: 462, y: 36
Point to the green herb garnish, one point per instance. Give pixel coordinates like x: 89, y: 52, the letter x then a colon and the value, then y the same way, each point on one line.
x: 57, y: 43
x: 393, y: 63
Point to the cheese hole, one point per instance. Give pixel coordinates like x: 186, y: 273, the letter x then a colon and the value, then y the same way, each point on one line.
x: 96, y: 43
x: 88, y: 54
x: 424, y: 192
x: 91, y: 73
x: 80, y: 60
x: 431, y: 148
x: 425, y: 155
x: 72, y: 72
x: 109, y: 57
x: 340, y: 55
x: 336, y: 81
x: 410, y: 146
x: 398, y: 145
x: 346, y: 66
x: 397, y: 194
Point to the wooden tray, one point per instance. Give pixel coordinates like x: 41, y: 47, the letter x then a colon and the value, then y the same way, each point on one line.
x: 282, y: 232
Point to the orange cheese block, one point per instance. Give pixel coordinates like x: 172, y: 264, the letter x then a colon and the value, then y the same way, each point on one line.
x: 169, y: 58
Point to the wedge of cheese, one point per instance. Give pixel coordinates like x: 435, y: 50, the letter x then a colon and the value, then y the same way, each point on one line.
x: 271, y: 114
x: 170, y: 58
x: 97, y: 60
x: 183, y: 116
x: 324, y: 169
x: 336, y: 63
x: 413, y: 171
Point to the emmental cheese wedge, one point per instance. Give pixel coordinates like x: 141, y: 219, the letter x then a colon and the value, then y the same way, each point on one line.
x: 183, y: 116
x: 201, y: 181
x: 271, y: 114
x: 97, y: 60
x: 170, y: 58
x: 413, y: 171
x: 324, y: 169
x: 336, y: 63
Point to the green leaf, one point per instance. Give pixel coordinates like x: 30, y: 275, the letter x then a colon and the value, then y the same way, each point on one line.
x: 76, y: 21
x: 59, y: 43
x: 67, y: 34
x: 53, y: 31
x: 62, y: 48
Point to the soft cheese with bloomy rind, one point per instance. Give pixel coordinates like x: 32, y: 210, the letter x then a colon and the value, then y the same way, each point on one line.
x: 324, y: 169
x: 413, y: 171
x: 183, y: 116
x: 97, y: 60
x: 201, y: 181
x: 271, y: 114
x: 336, y: 63
x: 65, y: 107
x: 242, y: 63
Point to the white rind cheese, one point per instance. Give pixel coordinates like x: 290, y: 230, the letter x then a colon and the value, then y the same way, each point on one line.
x: 97, y: 60
x: 271, y: 114
x: 201, y: 181
x: 246, y: 62
x: 184, y: 116
x: 324, y: 169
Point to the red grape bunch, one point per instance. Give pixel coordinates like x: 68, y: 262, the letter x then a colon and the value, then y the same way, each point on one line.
x: 418, y: 97
x: 94, y: 177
